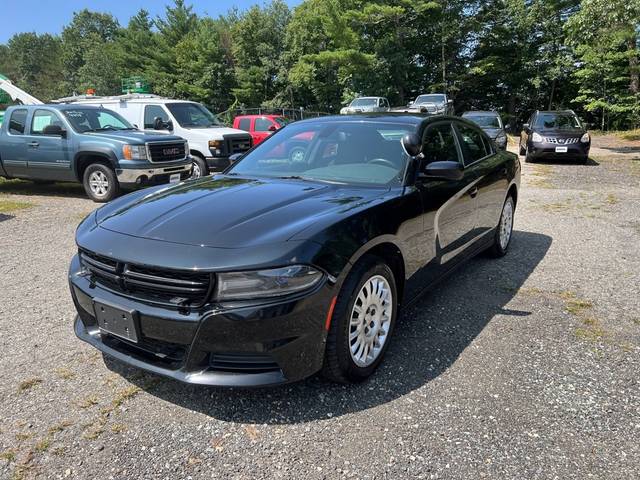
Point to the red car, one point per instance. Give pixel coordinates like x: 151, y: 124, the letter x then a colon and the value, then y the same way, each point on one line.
x: 259, y: 126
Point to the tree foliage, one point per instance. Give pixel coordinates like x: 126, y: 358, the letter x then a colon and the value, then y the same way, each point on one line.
x: 510, y: 55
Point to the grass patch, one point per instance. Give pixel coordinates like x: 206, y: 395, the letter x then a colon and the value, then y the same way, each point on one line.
x: 118, y: 428
x: 65, y: 373
x: 43, y: 445
x: 59, y: 427
x: 10, y: 206
x: 8, y: 455
x: 88, y: 402
x: 578, y: 306
x: 631, y: 135
x: 21, y: 437
x: 28, y: 384
x: 612, y: 199
x: 124, y: 395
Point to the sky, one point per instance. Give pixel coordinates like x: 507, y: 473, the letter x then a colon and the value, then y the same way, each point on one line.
x: 47, y: 16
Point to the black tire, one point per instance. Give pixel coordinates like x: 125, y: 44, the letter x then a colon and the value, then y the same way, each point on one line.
x: 497, y: 249
x: 105, y: 174
x: 200, y: 168
x: 527, y: 157
x: 339, y: 366
x: 583, y: 160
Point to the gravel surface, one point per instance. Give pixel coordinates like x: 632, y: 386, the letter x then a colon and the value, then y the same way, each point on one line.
x: 524, y: 367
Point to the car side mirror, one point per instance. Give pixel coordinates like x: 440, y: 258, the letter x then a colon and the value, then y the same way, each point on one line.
x: 159, y: 124
x: 54, y: 131
x: 525, y: 127
x: 273, y: 128
x: 412, y: 144
x: 410, y: 103
x: 446, y: 170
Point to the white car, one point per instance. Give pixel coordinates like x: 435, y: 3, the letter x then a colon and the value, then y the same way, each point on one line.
x: 365, y: 105
x: 210, y: 142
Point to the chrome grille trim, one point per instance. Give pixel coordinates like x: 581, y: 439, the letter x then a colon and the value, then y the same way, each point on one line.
x: 561, y: 141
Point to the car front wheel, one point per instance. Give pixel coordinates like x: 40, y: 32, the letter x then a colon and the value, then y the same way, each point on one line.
x: 199, y: 169
x: 100, y: 183
x: 362, y: 323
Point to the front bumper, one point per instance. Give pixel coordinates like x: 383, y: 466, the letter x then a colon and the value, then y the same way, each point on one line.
x: 230, y: 345
x: 540, y: 150
x: 142, y: 176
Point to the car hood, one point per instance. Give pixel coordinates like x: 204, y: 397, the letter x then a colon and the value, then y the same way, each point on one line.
x: 215, y: 133
x: 492, y: 132
x: 565, y: 132
x: 134, y: 136
x: 231, y: 212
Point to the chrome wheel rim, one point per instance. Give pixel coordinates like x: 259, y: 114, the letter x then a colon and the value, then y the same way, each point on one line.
x: 99, y: 183
x: 297, y: 155
x: 370, y: 321
x: 195, y: 171
x: 506, y: 224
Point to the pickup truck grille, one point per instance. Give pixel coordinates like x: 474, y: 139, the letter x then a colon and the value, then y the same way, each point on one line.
x: 168, y: 287
x: 239, y: 144
x: 166, y: 151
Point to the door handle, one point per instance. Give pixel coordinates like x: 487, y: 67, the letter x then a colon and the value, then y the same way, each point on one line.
x: 473, y: 192
x: 34, y: 144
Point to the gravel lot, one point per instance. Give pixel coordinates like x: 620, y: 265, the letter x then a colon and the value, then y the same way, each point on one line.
x: 525, y: 367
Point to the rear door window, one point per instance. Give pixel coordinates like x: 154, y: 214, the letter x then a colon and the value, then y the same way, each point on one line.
x: 245, y: 124
x: 473, y: 144
x: 17, y: 122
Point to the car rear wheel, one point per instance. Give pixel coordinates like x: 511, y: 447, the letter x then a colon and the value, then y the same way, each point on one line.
x: 100, y: 183
x: 504, y: 231
x: 523, y: 151
x: 362, y: 323
x: 527, y: 156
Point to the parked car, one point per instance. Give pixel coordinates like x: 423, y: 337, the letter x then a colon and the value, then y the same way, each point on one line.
x: 259, y: 126
x: 491, y: 123
x: 431, y: 103
x: 306, y: 265
x: 366, y: 105
x: 210, y: 142
x: 91, y: 145
x: 555, y: 135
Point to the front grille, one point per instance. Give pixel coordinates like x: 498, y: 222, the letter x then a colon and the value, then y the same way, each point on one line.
x: 178, y: 288
x: 164, y: 354
x: 243, y: 362
x: 166, y: 151
x: 237, y: 144
x: 561, y: 141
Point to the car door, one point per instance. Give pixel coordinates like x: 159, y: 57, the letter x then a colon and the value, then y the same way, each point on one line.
x: 14, y: 150
x: 261, y: 128
x: 450, y: 205
x: 489, y: 168
x: 49, y: 155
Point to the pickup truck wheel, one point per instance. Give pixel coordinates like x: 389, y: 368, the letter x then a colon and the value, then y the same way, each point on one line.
x: 362, y: 322
x: 100, y: 183
x: 200, y: 168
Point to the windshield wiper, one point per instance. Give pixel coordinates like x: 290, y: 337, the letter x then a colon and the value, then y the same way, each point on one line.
x: 292, y: 177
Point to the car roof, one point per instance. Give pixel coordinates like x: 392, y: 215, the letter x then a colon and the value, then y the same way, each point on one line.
x: 399, y: 118
x: 570, y: 112
x: 61, y: 107
x: 267, y: 115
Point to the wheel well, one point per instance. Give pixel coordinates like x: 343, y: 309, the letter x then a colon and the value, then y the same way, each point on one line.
x: 513, y: 191
x: 392, y: 256
x: 83, y: 161
x: 195, y: 153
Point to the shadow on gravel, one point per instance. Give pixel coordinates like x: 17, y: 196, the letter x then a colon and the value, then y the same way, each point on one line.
x: 590, y: 162
x: 62, y: 189
x: 428, y: 339
x: 4, y: 217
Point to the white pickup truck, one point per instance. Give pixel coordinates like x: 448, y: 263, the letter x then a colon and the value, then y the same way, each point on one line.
x: 210, y: 142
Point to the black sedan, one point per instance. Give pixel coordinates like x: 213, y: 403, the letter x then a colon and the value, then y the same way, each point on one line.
x: 284, y: 266
x: 555, y: 135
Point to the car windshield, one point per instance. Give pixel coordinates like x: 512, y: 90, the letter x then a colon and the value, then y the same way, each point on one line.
x: 95, y: 120
x: 364, y: 102
x: 193, y: 115
x: 354, y: 153
x: 560, y: 121
x: 281, y: 121
x: 485, y: 121
x: 429, y: 99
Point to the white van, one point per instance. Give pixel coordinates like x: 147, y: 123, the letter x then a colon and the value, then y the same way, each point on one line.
x: 210, y: 143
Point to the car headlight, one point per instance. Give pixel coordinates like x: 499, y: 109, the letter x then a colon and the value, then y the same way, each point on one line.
x: 536, y: 137
x: 215, y: 146
x: 586, y: 138
x: 501, y: 138
x: 134, y: 152
x: 266, y: 283
x: 343, y: 111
